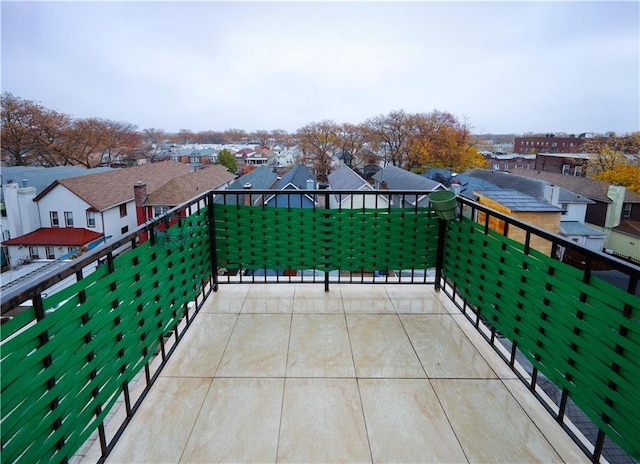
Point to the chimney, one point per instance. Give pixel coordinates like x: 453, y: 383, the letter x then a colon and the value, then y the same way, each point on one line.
x: 383, y: 185
x: 311, y: 184
x: 247, y: 196
x: 552, y: 194
x: 140, y: 195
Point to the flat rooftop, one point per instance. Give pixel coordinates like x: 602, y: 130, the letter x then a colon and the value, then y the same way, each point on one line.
x: 362, y: 373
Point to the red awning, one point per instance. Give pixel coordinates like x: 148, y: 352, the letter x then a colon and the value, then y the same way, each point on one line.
x: 60, y: 236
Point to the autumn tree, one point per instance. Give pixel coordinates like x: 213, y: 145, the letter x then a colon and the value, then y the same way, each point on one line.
x: 227, y: 159
x: 235, y: 136
x: 389, y: 136
x: 352, y: 141
x: 21, y: 121
x: 627, y: 175
x: 319, y: 143
x: 439, y: 139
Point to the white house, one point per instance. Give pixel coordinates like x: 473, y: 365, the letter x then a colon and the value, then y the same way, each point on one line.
x: 77, y: 212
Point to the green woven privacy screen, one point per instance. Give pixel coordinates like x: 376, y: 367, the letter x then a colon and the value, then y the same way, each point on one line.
x: 304, y: 238
x: 101, y: 331
x: 577, y: 334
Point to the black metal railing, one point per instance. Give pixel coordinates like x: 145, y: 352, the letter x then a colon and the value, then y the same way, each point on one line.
x: 540, y: 300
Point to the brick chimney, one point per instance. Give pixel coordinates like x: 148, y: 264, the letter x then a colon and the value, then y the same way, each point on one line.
x: 140, y: 195
x: 247, y: 197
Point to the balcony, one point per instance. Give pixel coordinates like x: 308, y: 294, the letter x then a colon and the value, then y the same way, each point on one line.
x: 162, y: 347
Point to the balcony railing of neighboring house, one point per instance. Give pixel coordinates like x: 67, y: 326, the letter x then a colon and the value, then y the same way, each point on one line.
x: 74, y: 343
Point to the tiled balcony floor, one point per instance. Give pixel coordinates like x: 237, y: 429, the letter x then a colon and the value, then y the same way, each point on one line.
x: 384, y: 373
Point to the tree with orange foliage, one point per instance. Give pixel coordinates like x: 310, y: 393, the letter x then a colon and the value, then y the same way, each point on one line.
x: 626, y: 175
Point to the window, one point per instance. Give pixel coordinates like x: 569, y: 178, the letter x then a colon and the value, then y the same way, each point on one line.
x: 565, y: 169
x: 194, y: 159
x: 506, y: 166
x: 49, y: 252
x: 68, y: 219
x: 626, y: 209
x: 577, y: 171
x: 496, y: 167
x: 174, y: 158
x: 124, y: 230
x: 159, y: 210
x: 123, y: 210
x: 91, y: 219
x: 71, y: 250
x: 53, y: 216
x: 34, y: 253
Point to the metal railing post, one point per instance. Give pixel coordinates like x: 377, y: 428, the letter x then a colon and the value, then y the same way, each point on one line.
x: 442, y: 230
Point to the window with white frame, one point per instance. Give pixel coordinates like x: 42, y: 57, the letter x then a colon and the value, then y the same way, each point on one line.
x: 159, y: 210
x: 123, y: 210
x: 577, y: 171
x: 34, y: 253
x: 68, y: 219
x: 49, y: 252
x: 91, y: 219
x: 565, y: 169
x: 53, y: 217
x: 626, y: 209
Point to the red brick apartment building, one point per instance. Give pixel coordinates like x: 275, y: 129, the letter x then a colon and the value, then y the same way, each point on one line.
x: 549, y: 143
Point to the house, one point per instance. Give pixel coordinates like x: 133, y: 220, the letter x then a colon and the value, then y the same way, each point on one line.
x: 345, y: 178
x: 298, y: 178
x: 261, y: 178
x: 101, y: 203
x: 395, y: 178
x: 614, y: 211
x: 52, y: 243
x: 573, y: 205
x: 523, y: 207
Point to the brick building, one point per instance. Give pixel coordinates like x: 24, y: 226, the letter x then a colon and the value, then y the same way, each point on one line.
x: 549, y: 143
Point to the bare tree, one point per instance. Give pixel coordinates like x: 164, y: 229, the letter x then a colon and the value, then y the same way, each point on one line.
x: 319, y: 142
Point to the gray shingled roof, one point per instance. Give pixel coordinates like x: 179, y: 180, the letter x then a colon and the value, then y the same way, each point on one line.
x: 578, y: 228
x: 518, y: 201
x: 40, y: 177
x: 260, y: 178
x: 345, y: 178
x: 297, y: 176
x: 399, y: 179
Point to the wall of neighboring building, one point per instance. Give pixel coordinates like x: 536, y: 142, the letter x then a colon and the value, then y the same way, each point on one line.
x: 116, y: 225
x: 22, y: 213
x: 548, y: 220
x: 575, y: 212
x: 566, y: 165
x: 544, y: 144
x: 596, y: 213
x: 62, y: 200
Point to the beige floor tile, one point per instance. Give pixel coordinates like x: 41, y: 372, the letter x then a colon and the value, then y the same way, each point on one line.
x: 490, y: 424
x: 322, y: 422
x: 228, y: 299
x: 313, y: 299
x: 239, y: 422
x: 160, y: 428
x: 366, y: 299
x: 381, y: 347
x: 443, y: 348
x: 564, y: 446
x: 414, y: 299
x: 406, y: 423
x: 257, y: 347
x: 319, y: 347
x: 269, y: 298
x: 200, y: 351
x: 500, y: 367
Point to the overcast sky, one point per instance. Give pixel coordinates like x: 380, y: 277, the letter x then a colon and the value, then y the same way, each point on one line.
x: 505, y: 66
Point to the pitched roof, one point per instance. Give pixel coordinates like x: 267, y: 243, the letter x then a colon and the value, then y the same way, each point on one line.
x: 260, y: 178
x: 345, y: 178
x: 56, y: 236
x: 590, y: 188
x: 109, y: 189
x: 183, y: 188
x: 297, y: 176
x: 40, y: 177
x: 399, y: 179
x: 518, y: 201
